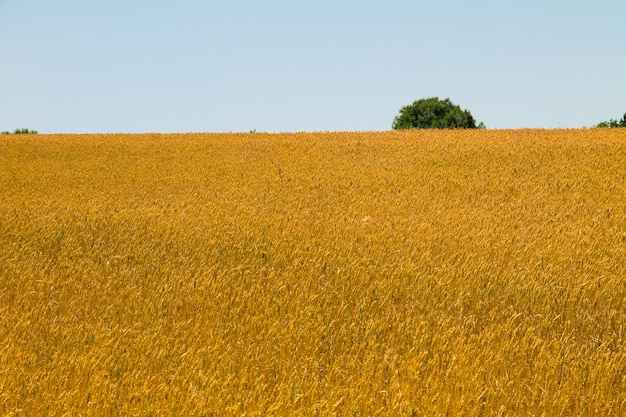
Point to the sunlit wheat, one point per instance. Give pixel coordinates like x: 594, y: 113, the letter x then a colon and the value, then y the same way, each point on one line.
x: 409, y: 273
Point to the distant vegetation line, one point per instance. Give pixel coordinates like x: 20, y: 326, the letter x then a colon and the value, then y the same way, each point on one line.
x: 23, y: 131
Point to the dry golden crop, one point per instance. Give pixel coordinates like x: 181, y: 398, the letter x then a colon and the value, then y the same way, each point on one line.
x: 412, y: 273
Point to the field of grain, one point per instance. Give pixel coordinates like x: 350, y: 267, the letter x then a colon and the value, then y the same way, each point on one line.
x: 413, y: 273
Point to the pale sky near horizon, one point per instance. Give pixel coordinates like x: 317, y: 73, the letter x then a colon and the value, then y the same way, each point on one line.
x: 283, y: 66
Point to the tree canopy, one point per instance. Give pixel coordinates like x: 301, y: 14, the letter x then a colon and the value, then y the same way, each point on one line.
x: 613, y: 123
x: 21, y: 132
x: 433, y: 113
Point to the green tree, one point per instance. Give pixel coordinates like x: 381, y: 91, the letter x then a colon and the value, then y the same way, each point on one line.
x: 21, y: 132
x: 613, y: 123
x: 433, y: 113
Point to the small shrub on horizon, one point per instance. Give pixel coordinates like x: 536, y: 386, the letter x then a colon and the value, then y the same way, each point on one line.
x: 22, y: 131
x: 613, y: 123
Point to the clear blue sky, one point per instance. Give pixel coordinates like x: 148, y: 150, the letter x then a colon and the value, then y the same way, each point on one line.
x: 293, y: 65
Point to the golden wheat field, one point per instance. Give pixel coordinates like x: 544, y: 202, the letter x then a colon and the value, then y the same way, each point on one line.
x: 412, y: 273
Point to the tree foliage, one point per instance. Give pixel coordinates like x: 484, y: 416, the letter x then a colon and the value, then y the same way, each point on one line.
x: 21, y: 132
x: 433, y: 113
x: 613, y: 123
